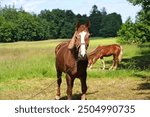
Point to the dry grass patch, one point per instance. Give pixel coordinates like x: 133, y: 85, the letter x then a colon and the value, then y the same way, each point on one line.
x: 98, y: 89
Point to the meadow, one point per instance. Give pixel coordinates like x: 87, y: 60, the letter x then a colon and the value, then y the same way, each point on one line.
x: 28, y: 67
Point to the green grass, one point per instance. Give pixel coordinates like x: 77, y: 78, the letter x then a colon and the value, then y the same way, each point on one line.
x: 24, y: 65
x: 27, y: 60
x: 36, y: 59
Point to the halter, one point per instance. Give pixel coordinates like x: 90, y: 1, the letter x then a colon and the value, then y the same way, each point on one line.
x: 83, y: 43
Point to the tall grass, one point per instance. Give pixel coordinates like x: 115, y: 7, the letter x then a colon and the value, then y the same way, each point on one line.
x: 22, y: 60
x: 27, y: 60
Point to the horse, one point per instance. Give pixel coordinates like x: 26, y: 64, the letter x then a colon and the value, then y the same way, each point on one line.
x: 114, y: 50
x: 71, y: 59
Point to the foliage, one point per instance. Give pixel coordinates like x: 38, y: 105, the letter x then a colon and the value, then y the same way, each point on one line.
x: 95, y: 18
x: 139, y: 31
x: 110, y: 25
x: 19, y: 25
x: 103, y: 24
x: 30, y: 60
x: 126, y: 32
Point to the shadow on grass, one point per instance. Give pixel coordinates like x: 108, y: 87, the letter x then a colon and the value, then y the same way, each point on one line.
x: 138, y: 62
x: 145, y: 77
x: 74, y: 97
x: 141, y: 62
x: 77, y: 96
x: 142, y: 87
x: 148, y: 98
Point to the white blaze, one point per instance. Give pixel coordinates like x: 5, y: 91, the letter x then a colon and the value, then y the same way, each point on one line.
x: 83, y: 50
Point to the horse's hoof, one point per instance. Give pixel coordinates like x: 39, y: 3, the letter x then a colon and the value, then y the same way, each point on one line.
x: 57, y: 97
x: 83, y: 97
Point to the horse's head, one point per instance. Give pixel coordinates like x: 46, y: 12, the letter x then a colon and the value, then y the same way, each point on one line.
x: 80, y: 40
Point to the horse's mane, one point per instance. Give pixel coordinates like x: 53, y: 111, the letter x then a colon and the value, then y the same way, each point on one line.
x: 91, y: 54
x: 95, y: 51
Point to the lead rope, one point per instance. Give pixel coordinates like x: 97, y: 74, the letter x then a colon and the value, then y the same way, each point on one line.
x: 41, y: 90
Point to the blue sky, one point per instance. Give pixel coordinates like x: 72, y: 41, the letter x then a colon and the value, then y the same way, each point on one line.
x: 122, y: 7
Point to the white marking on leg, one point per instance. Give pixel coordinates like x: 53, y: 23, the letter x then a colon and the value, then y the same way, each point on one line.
x: 83, y: 50
x: 103, y: 62
x: 90, y: 67
x: 112, y: 65
x: 57, y: 97
x: 120, y: 54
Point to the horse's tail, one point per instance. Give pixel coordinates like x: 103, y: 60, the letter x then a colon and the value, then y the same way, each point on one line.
x: 120, y: 54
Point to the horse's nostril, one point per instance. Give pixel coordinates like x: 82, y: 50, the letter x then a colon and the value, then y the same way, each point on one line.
x: 85, y: 56
x: 82, y: 57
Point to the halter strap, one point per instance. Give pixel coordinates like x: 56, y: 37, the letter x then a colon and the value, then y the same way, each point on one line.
x: 83, y: 43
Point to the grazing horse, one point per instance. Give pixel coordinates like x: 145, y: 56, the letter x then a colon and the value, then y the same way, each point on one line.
x: 71, y: 58
x: 114, y: 50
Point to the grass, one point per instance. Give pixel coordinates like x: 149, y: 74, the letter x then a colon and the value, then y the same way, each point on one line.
x: 107, y: 89
x: 28, y: 67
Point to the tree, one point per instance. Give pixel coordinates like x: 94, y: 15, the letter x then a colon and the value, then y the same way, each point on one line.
x: 82, y: 18
x: 8, y: 17
x: 19, y: 25
x: 141, y: 28
x: 69, y: 25
x: 61, y: 22
x: 103, y: 11
x: 67, y: 30
x: 95, y: 18
x: 126, y: 32
x: 111, y: 23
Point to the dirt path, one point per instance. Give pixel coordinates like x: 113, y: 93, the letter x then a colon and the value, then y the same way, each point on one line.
x: 98, y: 89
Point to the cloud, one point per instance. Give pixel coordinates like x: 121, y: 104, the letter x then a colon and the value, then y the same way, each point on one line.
x: 28, y: 5
x: 77, y: 6
x: 32, y: 5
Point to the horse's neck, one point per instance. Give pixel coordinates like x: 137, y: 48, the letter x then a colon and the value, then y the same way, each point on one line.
x: 74, y: 54
x: 93, y: 54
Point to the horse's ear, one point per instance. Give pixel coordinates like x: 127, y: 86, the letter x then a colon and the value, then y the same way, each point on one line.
x: 77, y: 25
x: 88, y: 24
x: 72, y: 42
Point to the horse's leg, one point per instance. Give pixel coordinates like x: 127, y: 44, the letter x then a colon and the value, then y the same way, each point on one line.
x: 59, y: 80
x: 89, y: 63
x: 70, y: 82
x: 103, y: 62
x: 112, y: 63
x: 83, y: 87
x: 116, y: 64
x: 94, y: 60
x: 90, y: 66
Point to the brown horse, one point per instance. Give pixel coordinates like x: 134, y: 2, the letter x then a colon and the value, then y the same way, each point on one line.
x: 114, y: 50
x: 71, y: 58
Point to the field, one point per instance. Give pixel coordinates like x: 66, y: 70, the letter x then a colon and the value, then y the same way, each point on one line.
x: 27, y: 68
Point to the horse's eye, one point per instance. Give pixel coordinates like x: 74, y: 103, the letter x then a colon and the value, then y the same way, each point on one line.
x: 77, y: 36
x: 87, y: 35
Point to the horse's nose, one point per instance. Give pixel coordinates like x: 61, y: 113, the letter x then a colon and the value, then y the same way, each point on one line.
x: 82, y: 57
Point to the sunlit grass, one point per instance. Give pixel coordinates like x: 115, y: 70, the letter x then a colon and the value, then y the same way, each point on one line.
x: 36, y: 59
x: 24, y: 65
x: 98, y: 89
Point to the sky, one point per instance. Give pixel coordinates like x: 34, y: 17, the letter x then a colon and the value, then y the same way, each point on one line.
x: 122, y: 7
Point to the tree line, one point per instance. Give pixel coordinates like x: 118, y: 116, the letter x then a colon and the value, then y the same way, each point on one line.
x: 19, y: 25
x: 138, y: 32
